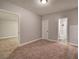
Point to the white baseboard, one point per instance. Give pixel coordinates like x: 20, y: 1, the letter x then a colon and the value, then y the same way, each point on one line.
x: 73, y: 44
x: 7, y: 37
x: 51, y: 40
x: 30, y: 42
x: 45, y: 39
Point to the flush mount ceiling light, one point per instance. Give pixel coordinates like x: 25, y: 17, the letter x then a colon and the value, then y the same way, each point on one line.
x: 43, y: 1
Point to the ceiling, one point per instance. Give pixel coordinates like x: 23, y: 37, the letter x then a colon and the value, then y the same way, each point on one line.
x: 50, y: 7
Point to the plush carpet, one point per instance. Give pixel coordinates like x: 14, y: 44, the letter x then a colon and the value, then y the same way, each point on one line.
x: 44, y: 49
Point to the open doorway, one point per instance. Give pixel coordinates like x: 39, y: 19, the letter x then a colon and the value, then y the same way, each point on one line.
x: 9, y: 33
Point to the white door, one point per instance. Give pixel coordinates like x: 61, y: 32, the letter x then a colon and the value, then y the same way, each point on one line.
x: 62, y: 30
x: 45, y: 29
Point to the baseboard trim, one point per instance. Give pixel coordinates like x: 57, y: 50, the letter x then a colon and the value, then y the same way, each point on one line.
x: 51, y: 40
x: 7, y: 37
x: 73, y: 44
x: 45, y: 39
x: 29, y: 42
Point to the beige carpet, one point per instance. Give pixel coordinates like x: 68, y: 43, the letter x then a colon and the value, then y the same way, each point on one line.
x: 44, y: 49
x: 7, y: 46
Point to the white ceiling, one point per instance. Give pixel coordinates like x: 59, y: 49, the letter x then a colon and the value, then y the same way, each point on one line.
x: 52, y: 6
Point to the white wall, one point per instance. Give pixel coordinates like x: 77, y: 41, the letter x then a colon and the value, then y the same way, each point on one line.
x: 53, y: 23
x: 8, y: 28
x: 30, y: 23
x: 8, y: 24
x: 73, y: 34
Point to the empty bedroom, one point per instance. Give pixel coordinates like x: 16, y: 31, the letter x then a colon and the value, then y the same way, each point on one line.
x: 38, y: 29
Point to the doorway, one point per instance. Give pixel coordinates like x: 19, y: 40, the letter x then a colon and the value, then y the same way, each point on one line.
x: 9, y: 33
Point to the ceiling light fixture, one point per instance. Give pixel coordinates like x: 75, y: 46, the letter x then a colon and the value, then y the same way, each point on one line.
x: 43, y: 1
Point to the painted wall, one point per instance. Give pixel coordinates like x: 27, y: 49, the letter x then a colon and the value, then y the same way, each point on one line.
x: 8, y: 28
x: 30, y: 23
x: 53, y: 24
x: 73, y: 34
x: 8, y: 24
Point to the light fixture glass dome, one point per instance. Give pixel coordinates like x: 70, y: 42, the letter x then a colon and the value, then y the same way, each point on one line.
x: 43, y: 1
